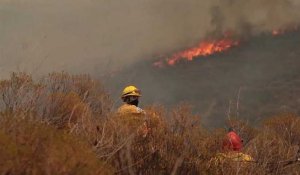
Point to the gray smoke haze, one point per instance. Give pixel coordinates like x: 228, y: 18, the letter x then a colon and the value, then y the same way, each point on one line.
x: 95, y: 36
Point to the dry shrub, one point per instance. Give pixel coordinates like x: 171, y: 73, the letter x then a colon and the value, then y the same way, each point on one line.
x: 76, y: 106
x: 59, y: 98
x: 175, y: 144
x: 65, y: 109
x: 90, y: 91
x: 18, y: 94
x: 287, y: 126
x: 276, y: 145
x: 29, y: 147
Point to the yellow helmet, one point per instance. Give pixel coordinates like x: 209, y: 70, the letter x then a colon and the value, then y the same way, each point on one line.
x: 131, y: 91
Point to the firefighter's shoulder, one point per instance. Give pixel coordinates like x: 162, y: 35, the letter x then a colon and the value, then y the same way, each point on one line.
x: 130, y: 109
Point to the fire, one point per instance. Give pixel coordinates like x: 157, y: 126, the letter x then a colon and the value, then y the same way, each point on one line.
x: 275, y: 32
x: 209, y: 47
x: 204, y: 48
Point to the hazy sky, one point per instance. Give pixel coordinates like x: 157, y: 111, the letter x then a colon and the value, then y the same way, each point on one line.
x: 92, y: 36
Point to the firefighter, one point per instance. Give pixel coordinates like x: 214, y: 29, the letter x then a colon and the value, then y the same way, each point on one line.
x: 232, y: 147
x: 131, y: 115
x: 130, y: 97
x: 232, y: 142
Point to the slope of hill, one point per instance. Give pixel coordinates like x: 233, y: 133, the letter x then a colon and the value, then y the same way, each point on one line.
x: 255, y: 80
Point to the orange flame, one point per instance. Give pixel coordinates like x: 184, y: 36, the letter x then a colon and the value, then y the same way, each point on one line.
x: 209, y: 47
x: 204, y: 48
x: 276, y: 32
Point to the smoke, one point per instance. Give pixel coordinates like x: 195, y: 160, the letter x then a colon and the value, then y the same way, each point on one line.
x: 96, y: 36
x: 256, y: 16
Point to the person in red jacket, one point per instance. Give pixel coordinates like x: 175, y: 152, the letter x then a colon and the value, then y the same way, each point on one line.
x: 232, y: 149
x: 232, y: 142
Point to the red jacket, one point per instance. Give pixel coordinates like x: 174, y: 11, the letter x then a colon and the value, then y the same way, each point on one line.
x: 232, y: 142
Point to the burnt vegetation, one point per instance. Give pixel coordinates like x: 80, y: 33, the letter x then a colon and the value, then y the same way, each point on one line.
x: 65, y: 124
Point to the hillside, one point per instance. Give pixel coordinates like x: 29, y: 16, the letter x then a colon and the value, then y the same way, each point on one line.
x: 263, y: 73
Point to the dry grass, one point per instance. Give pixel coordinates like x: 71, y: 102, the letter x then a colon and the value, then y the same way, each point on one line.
x: 29, y: 147
x: 64, y: 124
